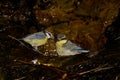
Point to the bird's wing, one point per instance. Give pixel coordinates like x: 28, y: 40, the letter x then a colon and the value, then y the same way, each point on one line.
x: 71, y: 46
x: 76, y: 48
x: 38, y: 35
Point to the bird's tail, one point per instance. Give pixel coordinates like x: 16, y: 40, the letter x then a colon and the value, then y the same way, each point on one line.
x: 84, y: 51
x: 25, y: 44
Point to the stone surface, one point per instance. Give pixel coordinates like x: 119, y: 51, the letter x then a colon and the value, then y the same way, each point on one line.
x: 83, y: 22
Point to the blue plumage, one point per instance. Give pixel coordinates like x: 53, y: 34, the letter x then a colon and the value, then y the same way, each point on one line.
x: 38, y: 35
x: 65, y: 47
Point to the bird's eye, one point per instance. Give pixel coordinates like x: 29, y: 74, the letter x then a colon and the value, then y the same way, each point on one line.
x: 61, y: 36
x: 49, y: 35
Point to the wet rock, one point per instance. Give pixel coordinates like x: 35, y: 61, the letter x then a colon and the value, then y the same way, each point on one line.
x: 84, y: 20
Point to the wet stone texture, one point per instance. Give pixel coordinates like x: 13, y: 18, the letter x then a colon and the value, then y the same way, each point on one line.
x: 83, y: 21
x: 91, y: 24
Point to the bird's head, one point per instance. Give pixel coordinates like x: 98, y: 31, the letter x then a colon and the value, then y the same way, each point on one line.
x: 61, y: 36
x: 49, y: 35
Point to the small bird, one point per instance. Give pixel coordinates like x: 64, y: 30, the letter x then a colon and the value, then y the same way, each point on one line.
x: 38, y: 39
x: 65, y: 47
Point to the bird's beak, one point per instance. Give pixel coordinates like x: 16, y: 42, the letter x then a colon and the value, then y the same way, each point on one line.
x: 52, y: 37
x: 49, y: 35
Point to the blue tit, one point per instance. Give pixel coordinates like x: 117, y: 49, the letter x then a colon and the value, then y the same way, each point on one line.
x: 38, y: 39
x: 65, y: 47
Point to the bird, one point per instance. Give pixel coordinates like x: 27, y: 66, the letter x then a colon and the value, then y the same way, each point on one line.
x: 65, y: 47
x: 38, y: 38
